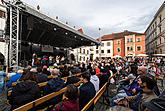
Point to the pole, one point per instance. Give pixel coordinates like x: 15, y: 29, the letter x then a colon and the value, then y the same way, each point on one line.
x: 100, y: 44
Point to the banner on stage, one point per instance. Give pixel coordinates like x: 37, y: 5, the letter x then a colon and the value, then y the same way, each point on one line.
x: 46, y: 48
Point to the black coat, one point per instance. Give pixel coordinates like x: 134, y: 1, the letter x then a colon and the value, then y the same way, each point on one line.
x: 87, y: 92
x: 41, y: 77
x: 23, y: 93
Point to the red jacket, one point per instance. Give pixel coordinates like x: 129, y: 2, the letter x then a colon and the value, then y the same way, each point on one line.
x: 68, y: 105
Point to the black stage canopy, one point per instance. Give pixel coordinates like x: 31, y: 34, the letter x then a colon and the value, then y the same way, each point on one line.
x: 38, y: 28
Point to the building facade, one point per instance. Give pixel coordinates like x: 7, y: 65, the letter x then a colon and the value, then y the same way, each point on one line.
x: 82, y: 54
x: 116, y: 44
x: 155, y: 33
x: 134, y: 45
x: 3, y: 45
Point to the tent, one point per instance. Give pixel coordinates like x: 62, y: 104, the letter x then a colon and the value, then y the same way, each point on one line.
x: 142, y: 55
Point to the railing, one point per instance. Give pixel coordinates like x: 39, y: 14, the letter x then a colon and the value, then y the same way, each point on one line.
x: 50, y: 77
x: 43, y: 83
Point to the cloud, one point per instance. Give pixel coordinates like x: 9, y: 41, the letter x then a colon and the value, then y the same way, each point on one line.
x: 110, y: 15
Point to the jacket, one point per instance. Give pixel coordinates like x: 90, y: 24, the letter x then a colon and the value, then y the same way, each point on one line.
x: 13, y: 78
x: 23, y: 93
x: 68, y: 105
x: 95, y: 80
x: 41, y: 77
x: 87, y: 92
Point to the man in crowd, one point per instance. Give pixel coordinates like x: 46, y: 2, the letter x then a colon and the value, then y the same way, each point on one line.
x: 87, y: 91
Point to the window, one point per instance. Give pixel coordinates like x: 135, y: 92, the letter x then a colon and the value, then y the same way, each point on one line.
x: 118, y: 42
x: 84, y: 59
x: 102, y: 45
x: 2, y: 14
x: 129, y: 40
x: 155, y: 24
x: 102, y: 51
x: 87, y: 51
x: 108, y: 51
x: 80, y: 58
x: 160, y: 29
x: 80, y: 50
x: 138, y: 48
x: 128, y: 48
x: 160, y: 51
x: 108, y: 44
x: 97, y: 51
x: 138, y: 40
x: 1, y: 33
x: 160, y: 18
x: 118, y: 49
x: 83, y: 51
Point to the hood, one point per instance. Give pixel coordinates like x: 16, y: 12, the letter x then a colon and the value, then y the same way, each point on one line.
x: 25, y: 86
x: 71, y: 105
x: 94, y: 77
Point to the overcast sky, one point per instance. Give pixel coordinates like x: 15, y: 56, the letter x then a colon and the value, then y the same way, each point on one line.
x: 110, y: 15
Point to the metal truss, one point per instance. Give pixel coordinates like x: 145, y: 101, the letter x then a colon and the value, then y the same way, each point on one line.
x: 14, y: 35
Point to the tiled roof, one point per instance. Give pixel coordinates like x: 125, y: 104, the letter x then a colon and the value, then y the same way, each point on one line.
x: 118, y: 35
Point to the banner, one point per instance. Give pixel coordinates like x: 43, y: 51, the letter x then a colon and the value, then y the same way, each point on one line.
x: 46, y: 48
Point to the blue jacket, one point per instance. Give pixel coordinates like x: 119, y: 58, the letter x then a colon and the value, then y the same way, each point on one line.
x: 13, y: 78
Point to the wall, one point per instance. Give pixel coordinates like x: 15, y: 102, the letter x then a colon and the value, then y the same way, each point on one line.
x: 119, y: 43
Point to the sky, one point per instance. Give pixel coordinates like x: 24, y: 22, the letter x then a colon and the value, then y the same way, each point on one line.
x: 110, y: 15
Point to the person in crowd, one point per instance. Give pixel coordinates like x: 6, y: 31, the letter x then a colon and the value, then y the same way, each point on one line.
x: 4, y: 105
x: 97, y: 69
x: 25, y: 91
x: 87, y: 91
x: 89, y: 66
x: 14, y: 78
x: 54, y: 85
x: 64, y: 71
x: 83, y: 69
x: 133, y: 68
x: 45, y: 71
x: 25, y: 71
x: 40, y: 76
x: 70, y: 102
x: 147, y: 84
x: 95, y: 80
x: 143, y: 71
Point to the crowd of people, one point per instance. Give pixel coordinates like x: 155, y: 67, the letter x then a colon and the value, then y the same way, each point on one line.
x: 135, y: 78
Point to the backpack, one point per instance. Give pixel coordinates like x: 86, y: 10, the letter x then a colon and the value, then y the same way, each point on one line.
x: 55, y: 84
x: 157, y: 104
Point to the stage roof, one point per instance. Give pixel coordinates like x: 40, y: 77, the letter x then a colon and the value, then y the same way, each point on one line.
x: 39, y: 28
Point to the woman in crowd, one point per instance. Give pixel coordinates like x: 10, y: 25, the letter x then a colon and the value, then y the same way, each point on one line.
x: 25, y: 91
x: 70, y: 102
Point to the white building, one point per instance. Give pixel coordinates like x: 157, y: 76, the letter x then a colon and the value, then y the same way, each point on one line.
x: 155, y: 33
x: 105, y: 50
x: 3, y: 45
x: 83, y: 54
